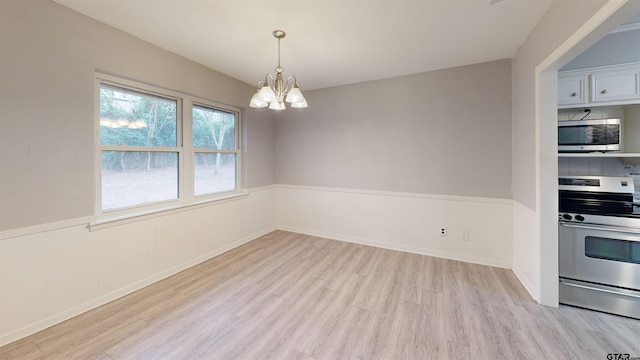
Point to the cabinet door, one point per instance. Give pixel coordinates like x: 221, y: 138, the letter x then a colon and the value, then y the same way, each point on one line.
x: 615, y: 86
x: 572, y: 90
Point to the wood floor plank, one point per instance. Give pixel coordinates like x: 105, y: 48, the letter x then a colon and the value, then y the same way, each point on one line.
x: 405, y: 328
x: 336, y: 336
x: 328, y: 326
x: 93, y: 348
x: 411, y: 277
x: 305, y: 307
x: 22, y: 349
x: 295, y: 296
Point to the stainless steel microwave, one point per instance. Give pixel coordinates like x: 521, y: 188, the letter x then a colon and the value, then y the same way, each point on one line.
x: 590, y: 135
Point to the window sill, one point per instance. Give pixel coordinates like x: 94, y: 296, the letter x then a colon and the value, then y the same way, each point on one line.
x: 107, y: 221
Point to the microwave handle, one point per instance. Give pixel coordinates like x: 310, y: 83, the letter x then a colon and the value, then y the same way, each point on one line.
x: 601, y: 228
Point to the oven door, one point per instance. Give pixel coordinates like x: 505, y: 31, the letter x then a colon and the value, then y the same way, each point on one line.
x: 600, y: 254
x: 599, y: 267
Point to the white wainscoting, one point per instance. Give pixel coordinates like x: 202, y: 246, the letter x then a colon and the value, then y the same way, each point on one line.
x: 50, y: 273
x: 403, y: 221
x: 526, y: 243
x: 53, y: 273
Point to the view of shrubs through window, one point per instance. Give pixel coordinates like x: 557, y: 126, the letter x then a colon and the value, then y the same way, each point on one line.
x: 140, y: 158
x: 214, y: 132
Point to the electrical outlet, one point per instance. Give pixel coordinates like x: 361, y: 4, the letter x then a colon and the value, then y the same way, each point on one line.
x: 464, y: 236
x: 443, y: 231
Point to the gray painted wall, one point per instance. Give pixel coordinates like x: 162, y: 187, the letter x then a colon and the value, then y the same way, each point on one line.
x: 616, y: 48
x: 443, y: 132
x: 260, y: 146
x: 47, y: 62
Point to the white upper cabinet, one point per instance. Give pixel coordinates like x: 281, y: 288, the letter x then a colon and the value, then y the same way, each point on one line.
x: 606, y: 85
x: 572, y: 90
x: 615, y: 86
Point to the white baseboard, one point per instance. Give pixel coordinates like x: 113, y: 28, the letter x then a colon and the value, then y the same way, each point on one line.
x: 398, y: 247
x: 528, y: 285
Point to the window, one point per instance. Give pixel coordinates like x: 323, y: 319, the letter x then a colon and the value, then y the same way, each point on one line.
x: 214, y: 144
x: 158, y: 147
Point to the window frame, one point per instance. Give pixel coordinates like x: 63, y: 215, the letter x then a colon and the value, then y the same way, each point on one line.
x: 195, y: 150
x: 184, y: 148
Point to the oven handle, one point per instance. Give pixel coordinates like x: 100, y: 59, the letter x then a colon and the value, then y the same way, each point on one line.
x: 598, y: 288
x: 601, y: 228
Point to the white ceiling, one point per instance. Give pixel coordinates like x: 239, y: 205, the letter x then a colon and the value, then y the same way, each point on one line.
x: 328, y: 43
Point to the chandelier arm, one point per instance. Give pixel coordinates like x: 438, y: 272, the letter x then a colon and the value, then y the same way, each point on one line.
x: 291, y: 82
x: 268, y: 79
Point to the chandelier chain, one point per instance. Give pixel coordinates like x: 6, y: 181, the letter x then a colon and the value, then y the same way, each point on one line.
x: 278, y: 52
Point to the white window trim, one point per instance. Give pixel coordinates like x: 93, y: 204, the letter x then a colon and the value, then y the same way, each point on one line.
x: 184, y: 147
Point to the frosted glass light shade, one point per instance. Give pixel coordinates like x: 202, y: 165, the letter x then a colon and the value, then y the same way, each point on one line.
x: 294, y: 95
x: 300, y: 104
x: 256, y: 102
x: 277, y: 105
x: 266, y: 94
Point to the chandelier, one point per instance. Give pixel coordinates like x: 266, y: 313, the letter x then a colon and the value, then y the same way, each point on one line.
x: 274, y: 92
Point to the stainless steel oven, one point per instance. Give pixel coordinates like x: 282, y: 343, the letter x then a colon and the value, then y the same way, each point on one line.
x: 600, y: 267
x: 599, y: 245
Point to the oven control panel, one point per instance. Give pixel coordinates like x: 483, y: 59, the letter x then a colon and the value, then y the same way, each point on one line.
x: 609, y: 184
x: 618, y: 221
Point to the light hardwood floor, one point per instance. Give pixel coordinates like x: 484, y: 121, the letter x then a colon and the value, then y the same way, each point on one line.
x: 292, y: 296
